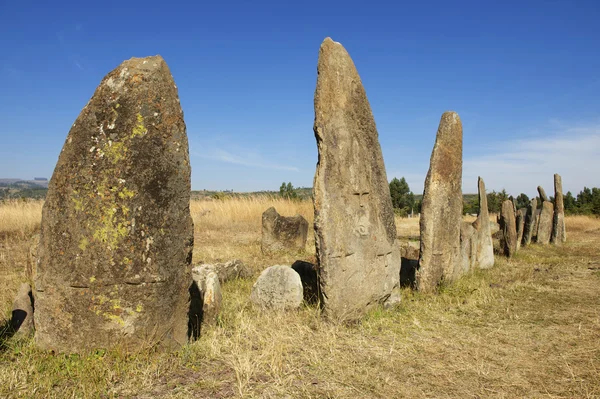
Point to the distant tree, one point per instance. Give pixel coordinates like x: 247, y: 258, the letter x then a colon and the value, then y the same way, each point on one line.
x: 403, y: 199
x: 522, y: 201
x: 570, y: 203
x: 288, y: 191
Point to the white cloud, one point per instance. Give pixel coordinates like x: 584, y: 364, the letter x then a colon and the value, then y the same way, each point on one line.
x: 245, y: 158
x: 522, y: 165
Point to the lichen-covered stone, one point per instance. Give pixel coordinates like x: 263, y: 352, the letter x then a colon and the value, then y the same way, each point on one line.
x: 545, y: 223
x: 508, y: 227
x: 559, y: 231
x: 530, y: 222
x: 468, y: 247
x: 283, y: 233
x: 484, y: 247
x: 117, y: 236
x: 355, y: 232
x: 441, y: 209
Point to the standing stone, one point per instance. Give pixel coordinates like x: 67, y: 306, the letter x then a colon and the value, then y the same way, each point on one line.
x: 530, y: 222
x: 484, y: 249
x: 520, y: 221
x: 280, y: 233
x: 441, y: 209
x: 545, y: 223
x: 509, y: 228
x: 117, y: 236
x: 542, y: 193
x: 355, y: 232
x: 559, y: 232
x: 468, y: 247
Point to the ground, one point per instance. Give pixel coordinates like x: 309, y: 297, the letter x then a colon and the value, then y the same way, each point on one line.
x: 529, y: 327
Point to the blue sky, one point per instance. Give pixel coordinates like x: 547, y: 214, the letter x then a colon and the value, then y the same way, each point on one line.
x: 523, y: 76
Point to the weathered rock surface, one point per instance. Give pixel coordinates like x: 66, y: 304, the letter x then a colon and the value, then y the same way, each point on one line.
x: 441, y: 209
x: 206, y: 298
x: 117, y: 236
x: 559, y: 231
x: 468, y: 248
x: 409, y: 252
x: 226, y: 271
x: 520, y: 222
x: 494, y: 227
x: 530, y: 222
x: 310, y: 281
x: 278, y: 288
x: 21, y: 321
x: 484, y: 248
x: 542, y: 193
x: 509, y: 228
x: 545, y: 223
x: 281, y: 233
x: 355, y: 230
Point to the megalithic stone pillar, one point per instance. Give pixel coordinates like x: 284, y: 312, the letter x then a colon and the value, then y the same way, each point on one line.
x: 559, y: 231
x: 355, y: 231
x: 543, y: 196
x: 484, y: 252
x: 509, y: 228
x: 117, y: 236
x: 544, y: 229
x: 530, y: 222
x: 441, y: 209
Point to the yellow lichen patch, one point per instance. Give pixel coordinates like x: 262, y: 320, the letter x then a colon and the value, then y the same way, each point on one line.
x: 139, y: 129
x: 92, y: 279
x: 83, y: 243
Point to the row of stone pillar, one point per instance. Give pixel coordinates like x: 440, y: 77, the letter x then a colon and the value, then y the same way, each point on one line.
x: 521, y: 227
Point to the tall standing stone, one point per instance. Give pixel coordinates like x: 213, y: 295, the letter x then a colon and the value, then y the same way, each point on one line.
x: 559, y: 232
x: 355, y: 232
x: 484, y: 250
x: 509, y: 228
x: 520, y: 222
x: 117, y: 236
x: 441, y: 209
x: 530, y: 222
x: 544, y: 229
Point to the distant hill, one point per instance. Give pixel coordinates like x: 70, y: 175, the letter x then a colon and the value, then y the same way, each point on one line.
x: 11, y: 188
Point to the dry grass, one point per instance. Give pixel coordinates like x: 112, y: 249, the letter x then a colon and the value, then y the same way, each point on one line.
x: 20, y: 217
x: 529, y: 327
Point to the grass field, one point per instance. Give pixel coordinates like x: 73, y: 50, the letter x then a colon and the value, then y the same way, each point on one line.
x: 529, y: 327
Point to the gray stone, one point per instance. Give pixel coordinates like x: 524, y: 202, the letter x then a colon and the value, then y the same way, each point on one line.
x: 226, y: 271
x: 545, y: 223
x: 530, y: 222
x: 509, y: 228
x: 278, y: 288
x: 441, y: 208
x: 21, y: 321
x: 355, y: 231
x: 281, y: 233
x: 494, y: 227
x: 468, y: 249
x: 117, y: 235
x: 208, y: 282
x: 520, y: 222
x: 542, y: 193
x: 484, y: 247
x: 559, y: 231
